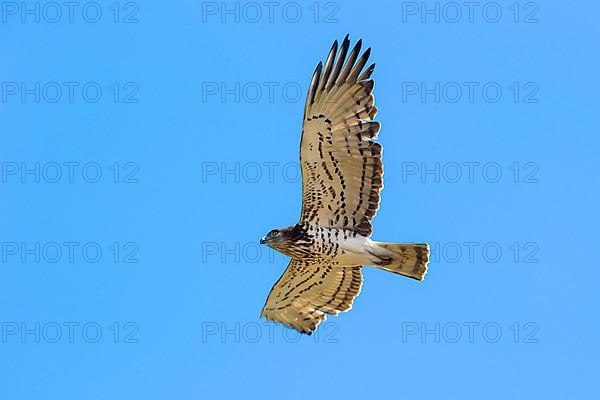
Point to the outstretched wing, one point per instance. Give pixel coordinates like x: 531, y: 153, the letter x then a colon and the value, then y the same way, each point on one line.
x: 341, y: 164
x: 306, y: 292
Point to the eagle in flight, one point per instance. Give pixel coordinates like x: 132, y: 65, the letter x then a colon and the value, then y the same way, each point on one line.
x: 341, y: 180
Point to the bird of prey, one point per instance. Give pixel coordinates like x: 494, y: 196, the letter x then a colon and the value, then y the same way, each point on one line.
x: 341, y: 181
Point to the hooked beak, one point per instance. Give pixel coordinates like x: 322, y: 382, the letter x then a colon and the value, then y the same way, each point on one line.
x: 264, y: 240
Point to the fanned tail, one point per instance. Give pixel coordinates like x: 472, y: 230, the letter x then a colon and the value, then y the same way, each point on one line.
x: 408, y: 259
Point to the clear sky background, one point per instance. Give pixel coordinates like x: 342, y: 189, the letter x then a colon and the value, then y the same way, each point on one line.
x: 145, y: 154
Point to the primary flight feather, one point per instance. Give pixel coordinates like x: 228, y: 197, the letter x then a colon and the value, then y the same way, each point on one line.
x: 342, y: 176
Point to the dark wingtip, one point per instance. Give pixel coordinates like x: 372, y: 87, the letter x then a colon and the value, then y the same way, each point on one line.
x: 346, y: 41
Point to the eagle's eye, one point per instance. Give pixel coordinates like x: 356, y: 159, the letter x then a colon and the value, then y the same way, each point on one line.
x: 273, y: 233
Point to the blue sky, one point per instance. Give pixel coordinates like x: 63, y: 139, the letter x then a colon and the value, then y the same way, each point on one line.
x: 147, y: 147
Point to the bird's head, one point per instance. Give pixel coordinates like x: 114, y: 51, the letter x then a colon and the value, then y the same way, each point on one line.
x: 278, y: 238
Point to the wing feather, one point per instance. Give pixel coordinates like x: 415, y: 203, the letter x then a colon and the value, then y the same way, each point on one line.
x: 359, y: 66
x: 329, y: 64
x: 350, y: 63
x: 306, y: 292
x: 338, y: 65
x: 342, y: 171
x: 314, y: 83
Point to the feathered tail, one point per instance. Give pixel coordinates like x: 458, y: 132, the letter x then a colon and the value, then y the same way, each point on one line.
x: 404, y: 259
